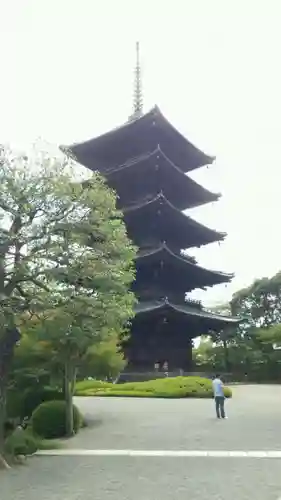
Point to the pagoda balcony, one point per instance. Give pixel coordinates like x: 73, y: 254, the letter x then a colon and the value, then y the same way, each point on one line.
x: 155, y: 172
x: 152, y: 293
x: 157, y: 220
x: 172, y: 273
x: 134, y: 138
x: 194, y: 303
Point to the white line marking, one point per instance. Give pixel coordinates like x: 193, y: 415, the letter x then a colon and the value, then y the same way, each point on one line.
x: 160, y: 453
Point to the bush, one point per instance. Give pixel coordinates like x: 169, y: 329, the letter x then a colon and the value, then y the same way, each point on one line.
x: 21, y: 442
x: 14, y: 403
x: 9, y: 427
x: 176, y: 387
x: 32, y: 398
x: 49, y: 420
x: 21, y: 404
x: 84, y: 385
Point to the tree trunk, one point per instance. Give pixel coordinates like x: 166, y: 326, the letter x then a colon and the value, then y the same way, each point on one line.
x: 73, y: 381
x: 3, y: 463
x: 226, y: 356
x: 68, y: 378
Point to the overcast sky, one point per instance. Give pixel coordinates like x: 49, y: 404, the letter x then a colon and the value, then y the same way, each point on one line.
x: 213, y: 68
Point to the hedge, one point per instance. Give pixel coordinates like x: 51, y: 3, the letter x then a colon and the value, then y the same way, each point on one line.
x: 176, y: 387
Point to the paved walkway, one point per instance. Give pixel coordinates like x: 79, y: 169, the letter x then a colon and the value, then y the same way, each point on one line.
x: 137, y: 449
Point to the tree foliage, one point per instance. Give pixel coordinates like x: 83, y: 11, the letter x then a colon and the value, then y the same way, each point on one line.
x: 259, y: 304
x: 103, y: 361
x: 252, y: 348
x: 66, y: 264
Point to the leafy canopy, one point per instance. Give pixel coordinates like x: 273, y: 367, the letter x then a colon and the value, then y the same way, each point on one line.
x: 66, y: 263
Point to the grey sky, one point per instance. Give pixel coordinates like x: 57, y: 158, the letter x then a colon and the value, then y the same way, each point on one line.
x: 213, y: 67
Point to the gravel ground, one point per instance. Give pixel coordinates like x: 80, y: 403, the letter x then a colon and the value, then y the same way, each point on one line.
x: 109, y: 478
x: 253, y: 424
x: 184, y: 424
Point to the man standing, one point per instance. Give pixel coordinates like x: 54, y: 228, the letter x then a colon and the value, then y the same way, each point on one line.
x: 219, y: 396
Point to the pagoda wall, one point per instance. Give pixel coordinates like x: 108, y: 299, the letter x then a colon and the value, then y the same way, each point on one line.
x: 158, y: 343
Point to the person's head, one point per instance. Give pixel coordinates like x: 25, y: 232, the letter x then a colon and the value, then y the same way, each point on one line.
x: 217, y: 375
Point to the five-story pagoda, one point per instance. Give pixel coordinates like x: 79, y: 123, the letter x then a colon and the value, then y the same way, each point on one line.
x: 146, y: 161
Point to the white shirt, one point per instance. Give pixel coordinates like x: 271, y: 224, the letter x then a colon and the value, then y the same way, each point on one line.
x: 218, y: 388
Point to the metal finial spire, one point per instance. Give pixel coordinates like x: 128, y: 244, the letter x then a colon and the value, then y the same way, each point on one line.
x: 137, y: 97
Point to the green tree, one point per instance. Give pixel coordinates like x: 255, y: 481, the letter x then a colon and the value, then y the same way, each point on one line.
x: 259, y: 304
x: 65, y: 259
x: 103, y: 361
x: 204, y: 354
x: 271, y: 335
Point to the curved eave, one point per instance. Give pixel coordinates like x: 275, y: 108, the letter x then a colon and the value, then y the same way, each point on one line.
x: 167, y: 253
x: 202, y: 158
x: 210, y: 234
x: 95, y: 147
x: 201, y: 195
x: 131, y: 124
x: 148, y: 307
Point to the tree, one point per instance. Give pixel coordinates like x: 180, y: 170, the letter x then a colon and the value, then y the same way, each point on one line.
x: 260, y: 303
x: 235, y: 349
x: 271, y: 335
x: 103, y: 361
x: 259, y: 306
x: 66, y: 264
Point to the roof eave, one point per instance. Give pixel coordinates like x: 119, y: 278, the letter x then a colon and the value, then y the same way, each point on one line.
x: 205, y: 159
x: 188, y: 311
x: 217, y: 236
x: 202, y: 158
x: 164, y: 248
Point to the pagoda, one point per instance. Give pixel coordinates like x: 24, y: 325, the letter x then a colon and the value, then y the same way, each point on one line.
x: 147, y: 161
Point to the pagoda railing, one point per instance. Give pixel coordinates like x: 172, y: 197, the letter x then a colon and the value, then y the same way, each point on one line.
x: 194, y: 303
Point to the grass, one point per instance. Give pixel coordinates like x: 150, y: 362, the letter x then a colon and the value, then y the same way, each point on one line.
x: 176, y: 387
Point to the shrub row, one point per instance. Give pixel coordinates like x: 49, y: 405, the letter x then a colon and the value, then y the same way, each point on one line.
x: 176, y: 387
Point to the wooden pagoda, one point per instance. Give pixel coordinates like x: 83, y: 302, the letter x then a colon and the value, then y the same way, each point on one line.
x: 146, y: 161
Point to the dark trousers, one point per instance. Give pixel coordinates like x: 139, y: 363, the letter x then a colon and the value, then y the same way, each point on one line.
x: 219, y: 400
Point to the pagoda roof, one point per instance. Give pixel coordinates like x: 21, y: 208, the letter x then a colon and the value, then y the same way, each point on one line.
x: 184, y: 231
x: 182, y: 270
x: 154, y: 170
x: 134, y: 138
x: 186, y: 310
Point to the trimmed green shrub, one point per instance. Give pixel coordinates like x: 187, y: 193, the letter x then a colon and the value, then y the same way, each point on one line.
x: 9, y: 427
x: 49, y: 420
x: 21, y: 404
x: 176, y: 387
x: 32, y: 398
x: 21, y: 442
x: 13, y: 404
x: 84, y: 385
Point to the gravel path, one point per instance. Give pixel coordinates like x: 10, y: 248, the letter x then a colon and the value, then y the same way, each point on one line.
x: 183, y: 424
x: 109, y: 478
x: 253, y: 424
